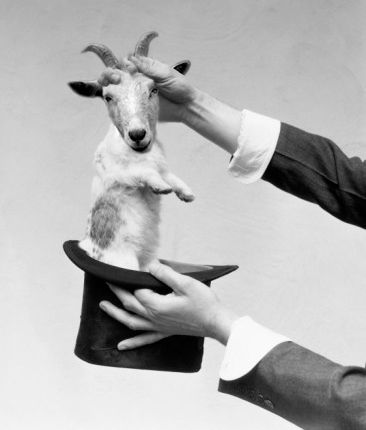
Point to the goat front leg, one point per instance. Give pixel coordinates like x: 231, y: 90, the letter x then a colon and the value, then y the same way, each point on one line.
x: 180, y: 188
x: 156, y: 183
x: 138, y: 178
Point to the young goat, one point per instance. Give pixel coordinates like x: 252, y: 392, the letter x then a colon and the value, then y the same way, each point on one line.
x: 132, y: 173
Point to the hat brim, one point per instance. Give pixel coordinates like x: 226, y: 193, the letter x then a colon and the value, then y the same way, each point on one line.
x: 133, y: 279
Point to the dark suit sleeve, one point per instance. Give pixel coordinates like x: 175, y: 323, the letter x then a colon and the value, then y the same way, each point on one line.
x: 315, y: 169
x: 305, y: 388
x: 291, y: 381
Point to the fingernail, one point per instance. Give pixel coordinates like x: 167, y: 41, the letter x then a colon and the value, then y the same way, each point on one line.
x: 121, y: 346
x: 103, y: 306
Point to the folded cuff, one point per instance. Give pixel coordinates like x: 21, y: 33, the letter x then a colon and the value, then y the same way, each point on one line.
x: 256, y: 145
x: 248, y: 343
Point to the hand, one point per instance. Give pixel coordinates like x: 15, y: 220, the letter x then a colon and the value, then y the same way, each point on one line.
x: 180, y: 101
x: 174, y: 89
x: 191, y: 309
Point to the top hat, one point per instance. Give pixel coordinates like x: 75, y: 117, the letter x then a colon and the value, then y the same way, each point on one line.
x: 99, y: 334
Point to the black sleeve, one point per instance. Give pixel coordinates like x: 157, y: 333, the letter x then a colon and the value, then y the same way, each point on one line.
x: 291, y: 381
x: 305, y: 388
x: 315, y: 169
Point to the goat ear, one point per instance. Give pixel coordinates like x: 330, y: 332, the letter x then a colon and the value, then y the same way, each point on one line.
x: 87, y: 89
x: 182, y: 67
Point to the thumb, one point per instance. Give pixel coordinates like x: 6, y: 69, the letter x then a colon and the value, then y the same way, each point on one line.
x: 177, y: 282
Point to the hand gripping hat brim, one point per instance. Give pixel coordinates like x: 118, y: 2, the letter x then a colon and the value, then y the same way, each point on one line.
x: 99, y: 334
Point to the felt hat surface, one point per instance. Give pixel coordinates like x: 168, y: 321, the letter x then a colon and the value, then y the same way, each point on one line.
x: 99, y: 334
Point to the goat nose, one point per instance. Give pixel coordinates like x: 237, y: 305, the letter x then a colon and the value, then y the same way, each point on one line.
x: 137, y: 134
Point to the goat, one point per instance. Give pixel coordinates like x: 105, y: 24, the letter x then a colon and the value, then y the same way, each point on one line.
x: 132, y: 172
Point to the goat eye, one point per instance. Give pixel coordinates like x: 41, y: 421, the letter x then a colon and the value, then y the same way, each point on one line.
x: 153, y: 91
x: 107, y: 99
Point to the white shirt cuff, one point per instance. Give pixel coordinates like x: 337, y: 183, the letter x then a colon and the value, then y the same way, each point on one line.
x: 248, y: 343
x: 256, y: 145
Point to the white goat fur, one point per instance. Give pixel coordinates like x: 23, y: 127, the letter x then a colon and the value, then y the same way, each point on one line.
x: 123, y: 225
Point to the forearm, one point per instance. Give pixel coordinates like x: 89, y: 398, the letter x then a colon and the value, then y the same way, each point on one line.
x: 315, y: 169
x: 215, y: 120
x: 305, y: 388
x: 306, y: 165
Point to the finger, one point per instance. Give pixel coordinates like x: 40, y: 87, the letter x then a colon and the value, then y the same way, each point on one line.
x: 109, y: 76
x: 133, y: 322
x: 141, y: 340
x: 178, y: 282
x: 154, y: 69
x: 149, y: 299
x: 129, y: 301
x: 103, y: 80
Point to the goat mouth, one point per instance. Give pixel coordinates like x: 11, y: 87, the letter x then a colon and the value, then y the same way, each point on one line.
x: 141, y: 148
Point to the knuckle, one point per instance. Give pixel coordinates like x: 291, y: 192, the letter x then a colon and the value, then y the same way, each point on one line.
x: 148, y: 66
x: 139, y: 294
x: 131, y: 323
x: 128, y: 305
x: 186, y: 282
x: 143, y: 295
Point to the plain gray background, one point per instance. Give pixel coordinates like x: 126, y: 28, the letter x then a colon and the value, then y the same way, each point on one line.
x: 302, y: 272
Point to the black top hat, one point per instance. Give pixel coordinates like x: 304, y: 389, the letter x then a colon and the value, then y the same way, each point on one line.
x: 99, y: 334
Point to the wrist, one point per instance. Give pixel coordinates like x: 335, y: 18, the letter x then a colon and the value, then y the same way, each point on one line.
x: 221, y: 324
x: 214, y: 120
x: 192, y: 110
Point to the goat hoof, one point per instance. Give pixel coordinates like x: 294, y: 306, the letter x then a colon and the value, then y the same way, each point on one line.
x: 186, y: 197
x: 161, y: 190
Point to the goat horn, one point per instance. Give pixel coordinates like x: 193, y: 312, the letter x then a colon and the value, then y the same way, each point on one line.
x: 142, y: 46
x: 105, y: 54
